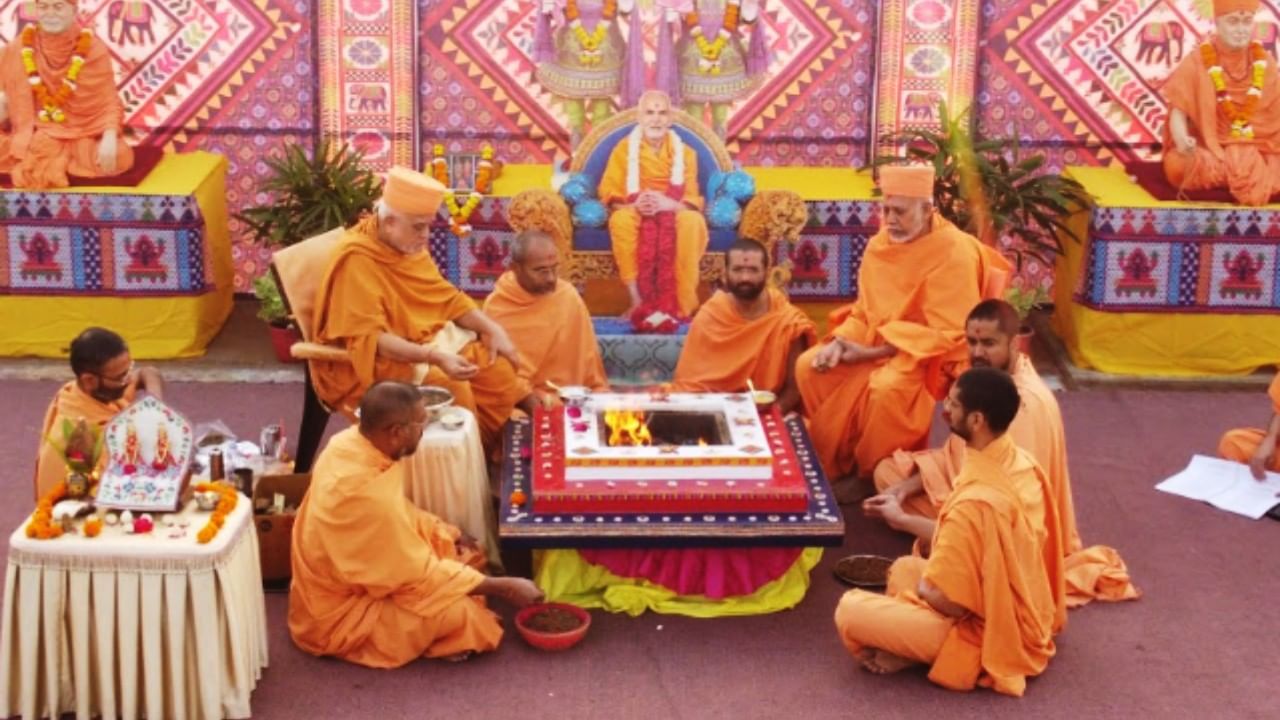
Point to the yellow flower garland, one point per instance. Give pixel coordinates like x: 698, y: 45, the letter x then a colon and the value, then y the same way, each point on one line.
x: 459, y: 216
x: 710, y: 50
x: 1240, y: 118
x: 50, y: 102
x: 590, y: 42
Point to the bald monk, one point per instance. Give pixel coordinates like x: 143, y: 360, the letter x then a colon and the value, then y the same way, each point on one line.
x: 546, y: 319
x: 871, y: 386
x: 1210, y: 144
x: 985, y: 608
x: 747, y: 331
x: 60, y: 125
x: 384, y: 299
x: 650, y: 186
x: 913, y: 486
x: 376, y: 581
x: 106, y: 382
x: 1254, y: 446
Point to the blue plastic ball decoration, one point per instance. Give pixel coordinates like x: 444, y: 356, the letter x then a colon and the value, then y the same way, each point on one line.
x: 590, y: 213
x: 739, y: 186
x: 724, y: 213
x: 715, y: 184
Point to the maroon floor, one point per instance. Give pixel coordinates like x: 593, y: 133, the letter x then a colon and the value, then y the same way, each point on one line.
x: 1202, y: 643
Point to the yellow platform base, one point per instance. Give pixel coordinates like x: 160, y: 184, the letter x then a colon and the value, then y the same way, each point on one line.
x: 155, y: 328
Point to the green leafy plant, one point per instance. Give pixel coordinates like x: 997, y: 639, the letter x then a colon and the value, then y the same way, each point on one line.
x: 271, y: 308
x: 1024, y: 300
x: 80, y: 446
x: 1023, y: 203
x: 311, y: 194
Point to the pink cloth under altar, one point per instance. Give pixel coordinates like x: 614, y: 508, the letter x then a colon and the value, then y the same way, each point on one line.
x: 715, y: 573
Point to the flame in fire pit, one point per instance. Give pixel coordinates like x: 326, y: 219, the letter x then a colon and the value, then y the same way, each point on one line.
x: 627, y: 427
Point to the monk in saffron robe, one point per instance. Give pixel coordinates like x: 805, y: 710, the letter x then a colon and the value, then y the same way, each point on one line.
x: 376, y: 581
x: 1254, y: 446
x: 748, y: 331
x: 65, y: 115
x: 547, y: 319
x: 1224, y: 112
x: 871, y: 386
x: 913, y: 486
x: 384, y: 299
x: 106, y: 382
x: 650, y: 186
x: 986, y: 605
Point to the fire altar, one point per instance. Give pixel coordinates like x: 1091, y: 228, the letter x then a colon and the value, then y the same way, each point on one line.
x: 629, y: 469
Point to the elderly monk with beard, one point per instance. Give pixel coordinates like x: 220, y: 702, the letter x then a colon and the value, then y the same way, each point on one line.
x: 871, y: 386
x: 64, y: 114
x: 547, y: 319
x: 748, y: 331
x: 650, y: 186
x: 376, y: 581
x: 106, y: 382
x: 383, y: 299
x: 1224, y: 111
x: 985, y: 608
x: 913, y: 486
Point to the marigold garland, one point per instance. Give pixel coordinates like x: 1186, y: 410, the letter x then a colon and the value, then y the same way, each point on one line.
x: 710, y: 49
x: 484, y: 170
x: 41, y: 526
x: 50, y: 102
x: 1239, y: 117
x: 439, y: 165
x: 226, y: 504
x: 590, y: 42
x: 459, y: 216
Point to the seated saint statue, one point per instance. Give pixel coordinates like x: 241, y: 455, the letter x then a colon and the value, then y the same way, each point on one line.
x: 871, y: 387
x: 659, y: 234
x: 376, y: 581
x: 913, y: 486
x: 1224, y: 112
x: 547, y: 319
x: 106, y: 382
x: 1256, y: 447
x: 383, y: 299
x: 984, y: 609
x: 58, y: 98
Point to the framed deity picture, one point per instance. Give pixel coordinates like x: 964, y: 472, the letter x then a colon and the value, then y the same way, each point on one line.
x: 462, y: 170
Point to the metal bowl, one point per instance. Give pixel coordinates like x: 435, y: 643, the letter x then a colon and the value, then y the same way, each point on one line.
x: 436, y: 399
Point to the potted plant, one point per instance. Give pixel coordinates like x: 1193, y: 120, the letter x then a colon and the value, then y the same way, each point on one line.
x: 1024, y: 300
x: 309, y: 193
x: 988, y: 189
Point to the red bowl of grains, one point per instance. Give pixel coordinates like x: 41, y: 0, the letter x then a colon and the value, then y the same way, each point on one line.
x: 553, y: 626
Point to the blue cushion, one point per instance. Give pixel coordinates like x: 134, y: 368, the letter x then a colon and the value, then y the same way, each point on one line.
x: 594, y: 167
x: 598, y: 239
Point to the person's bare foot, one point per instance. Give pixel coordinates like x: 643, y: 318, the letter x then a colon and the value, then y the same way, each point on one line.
x: 884, y: 663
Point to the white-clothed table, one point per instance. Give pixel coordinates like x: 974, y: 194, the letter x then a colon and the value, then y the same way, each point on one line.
x: 448, y: 478
x: 134, y: 625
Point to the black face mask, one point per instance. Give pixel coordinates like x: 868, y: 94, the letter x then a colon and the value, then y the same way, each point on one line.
x: 746, y: 291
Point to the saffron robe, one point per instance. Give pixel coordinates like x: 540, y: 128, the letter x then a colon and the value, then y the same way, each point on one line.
x: 1241, y: 444
x: 723, y: 350
x: 369, y: 289
x: 993, y: 556
x: 553, y: 333
x: 1095, y: 572
x: 376, y: 581
x: 1248, y: 167
x: 914, y: 296
x: 72, y: 403
x: 624, y: 223
x: 39, y: 153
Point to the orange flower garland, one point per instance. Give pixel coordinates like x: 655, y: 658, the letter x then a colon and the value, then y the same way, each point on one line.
x: 1240, y: 118
x: 41, y: 526
x: 50, y: 102
x: 439, y: 165
x: 711, y: 49
x: 225, y: 505
x: 484, y: 171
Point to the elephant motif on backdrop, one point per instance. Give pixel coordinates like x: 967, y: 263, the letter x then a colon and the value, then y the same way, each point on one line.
x: 921, y: 106
x: 367, y: 98
x: 1155, y: 40
x: 130, y: 16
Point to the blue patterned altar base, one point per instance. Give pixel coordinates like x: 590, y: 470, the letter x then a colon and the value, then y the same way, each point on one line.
x: 631, y: 359
x: 824, y: 261
x: 1182, y: 260
x: 60, y: 243
x: 820, y: 525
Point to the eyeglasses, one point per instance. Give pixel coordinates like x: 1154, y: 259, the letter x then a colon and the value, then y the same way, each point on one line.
x: 121, y: 378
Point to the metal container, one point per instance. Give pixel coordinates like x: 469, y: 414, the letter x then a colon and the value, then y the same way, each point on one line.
x: 217, y: 471
x: 270, y: 440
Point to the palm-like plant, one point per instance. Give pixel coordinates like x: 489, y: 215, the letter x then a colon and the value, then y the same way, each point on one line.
x: 987, y: 188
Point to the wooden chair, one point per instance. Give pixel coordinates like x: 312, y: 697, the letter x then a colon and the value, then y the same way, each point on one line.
x: 298, y: 270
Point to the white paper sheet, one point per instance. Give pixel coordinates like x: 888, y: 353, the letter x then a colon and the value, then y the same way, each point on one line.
x: 1226, y: 485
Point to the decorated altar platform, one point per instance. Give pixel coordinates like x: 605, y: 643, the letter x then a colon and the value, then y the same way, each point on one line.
x: 153, y: 262
x: 1168, y: 288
